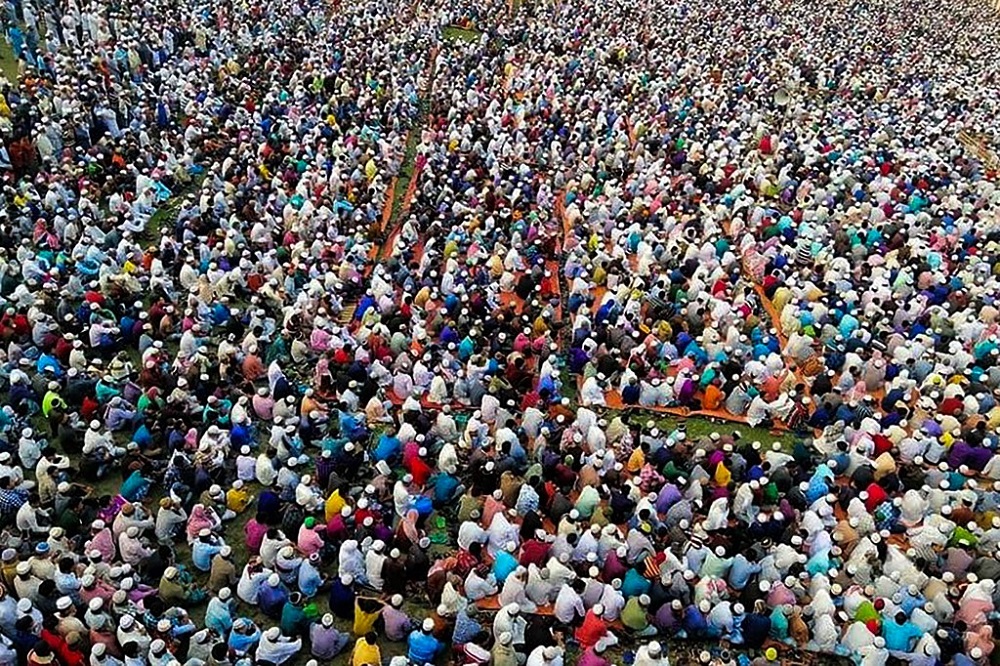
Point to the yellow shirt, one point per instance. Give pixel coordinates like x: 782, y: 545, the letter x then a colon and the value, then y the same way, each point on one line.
x: 364, y: 621
x: 636, y: 461
x: 540, y: 326
x: 495, y: 264
x: 366, y: 654
x: 993, y: 418
x: 237, y: 499
x: 334, y: 503
x: 722, y: 475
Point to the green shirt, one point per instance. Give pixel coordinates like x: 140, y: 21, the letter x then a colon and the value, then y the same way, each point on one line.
x: 634, y: 615
x: 50, y: 401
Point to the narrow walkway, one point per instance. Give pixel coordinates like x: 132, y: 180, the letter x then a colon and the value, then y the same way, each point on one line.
x: 403, y: 186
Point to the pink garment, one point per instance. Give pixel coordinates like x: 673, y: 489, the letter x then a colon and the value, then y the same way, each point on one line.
x: 336, y: 529
x: 109, y: 639
x: 683, y: 363
x: 101, y: 589
x: 110, y: 512
x: 104, y: 543
x: 982, y: 638
x: 779, y: 596
x: 319, y: 340
x: 309, y: 541
x: 198, y: 521
x: 409, y: 526
x: 254, y: 533
x: 973, y: 612
x: 491, y: 507
x: 263, y: 406
x: 140, y: 592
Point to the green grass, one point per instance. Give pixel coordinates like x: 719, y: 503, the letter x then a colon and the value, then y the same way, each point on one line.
x: 699, y: 426
x: 167, y: 212
x: 405, y: 172
x: 8, y: 63
x: 455, y: 33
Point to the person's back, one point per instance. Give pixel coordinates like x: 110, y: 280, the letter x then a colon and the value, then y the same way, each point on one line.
x: 756, y: 627
x: 422, y: 647
x: 898, y: 633
x: 366, y: 652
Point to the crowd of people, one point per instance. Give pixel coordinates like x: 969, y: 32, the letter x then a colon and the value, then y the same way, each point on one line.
x: 520, y: 333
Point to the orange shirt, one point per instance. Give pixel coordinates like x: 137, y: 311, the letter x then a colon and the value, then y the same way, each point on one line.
x: 713, y: 397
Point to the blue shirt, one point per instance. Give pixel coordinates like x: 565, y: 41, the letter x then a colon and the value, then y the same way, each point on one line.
x: 143, y: 437
x: 423, y: 648
x: 740, y: 571
x: 134, y: 487
x: 239, y: 435
x: 898, y: 636
x: 11, y: 501
x: 268, y: 502
x: 272, y: 599
x: 444, y: 487
x: 503, y: 566
x: 466, y: 629
x: 202, y: 553
x: 309, y: 579
x: 527, y: 500
x: 218, y: 616
x: 694, y: 621
x: 388, y: 448
x: 47, y: 361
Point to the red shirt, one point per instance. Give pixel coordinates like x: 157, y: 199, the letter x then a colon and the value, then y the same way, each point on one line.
x: 875, y: 496
x: 534, y: 552
x: 94, y: 297
x: 62, y: 350
x: 66, y: 655
x: 882, y: 444
x: 88, y: 408
x: 420, y: 470
x: 951, y: 406
x: 592, y: 630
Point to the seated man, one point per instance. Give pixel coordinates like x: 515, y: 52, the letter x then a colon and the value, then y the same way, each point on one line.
x: 422, y: 646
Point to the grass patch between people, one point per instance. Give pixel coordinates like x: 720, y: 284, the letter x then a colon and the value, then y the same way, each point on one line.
x: 8, y: 63
x: 456, y: 33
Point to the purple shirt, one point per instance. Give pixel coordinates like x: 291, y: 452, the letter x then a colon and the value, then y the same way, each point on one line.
x: 326, y: 643
x: 669, y: 495
x: 397, y: 623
